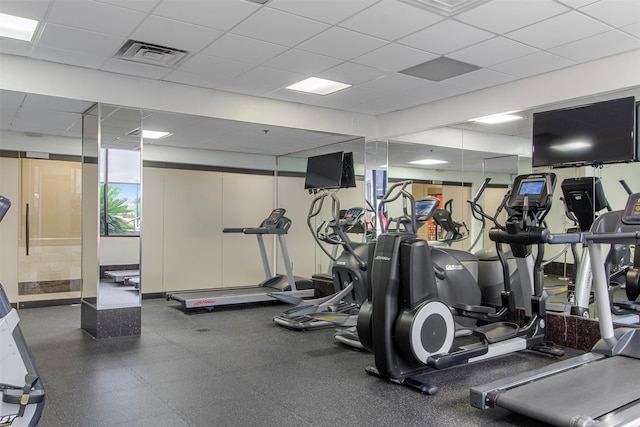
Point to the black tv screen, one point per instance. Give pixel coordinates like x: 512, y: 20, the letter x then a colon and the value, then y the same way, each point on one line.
x: 324, y: 171
x: 590, y: 134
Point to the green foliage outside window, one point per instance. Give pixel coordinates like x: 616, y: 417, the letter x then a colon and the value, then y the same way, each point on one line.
x: 121, y: 215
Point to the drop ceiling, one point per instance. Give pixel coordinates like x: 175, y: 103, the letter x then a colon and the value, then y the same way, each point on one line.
x: 246, y: 48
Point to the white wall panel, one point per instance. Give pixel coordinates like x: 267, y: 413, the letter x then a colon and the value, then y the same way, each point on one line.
x: 246, y: 201
x: 153, y: 230
x: 192, y: 229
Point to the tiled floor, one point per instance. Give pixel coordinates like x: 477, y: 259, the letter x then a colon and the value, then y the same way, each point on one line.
x: 235, y: 367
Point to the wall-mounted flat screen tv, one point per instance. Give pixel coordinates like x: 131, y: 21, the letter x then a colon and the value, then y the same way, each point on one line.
x: 333, y: 170
x: 599, y: 133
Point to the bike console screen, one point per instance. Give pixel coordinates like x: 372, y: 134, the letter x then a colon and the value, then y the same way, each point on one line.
x: 536, y: 189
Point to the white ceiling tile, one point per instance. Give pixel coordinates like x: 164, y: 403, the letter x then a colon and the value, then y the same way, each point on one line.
x: 199, y: 80
x: 299, y: 61
x: 141, y: 5
x: 56, y: 104
x: 218, y: 68
x: 34, y: 119
x: 369, y: 109
x: 95, y: 17
x: 395, y: 102
x: 174, y: 34
x: 432, y: 91
x: 243, y: 49
x: 480, y: 79
x: 394, y: 57
x: 633, y: 29
x: 77, y: 40
x: 351, y: 73
x: 491, y: 52
x: 445, y: 37
x: 502, y: 16
x: 262, y: 80
x: 135, y: 68
x: 9, y: 98
x: 598, y: 46
x: 32, y: 9
x: 341, y: 43
x: 348, y: 97
x: 577, y: 3
x: 68, y: 57
x: 395, y: 83
x: 329, y: 11
x: 15, y: 47
x: 538, y: 63
x: 219, y: 14
x: 278, y: 27
x: 390, y: 20
x: 559, y: 30
x: 615, y: 12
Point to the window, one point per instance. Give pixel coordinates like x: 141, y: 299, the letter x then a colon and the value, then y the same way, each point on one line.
x: 120, y: 187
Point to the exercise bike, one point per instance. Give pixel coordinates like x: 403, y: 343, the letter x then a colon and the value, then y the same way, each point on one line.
x: 411, y: 331
x: 22, y: 390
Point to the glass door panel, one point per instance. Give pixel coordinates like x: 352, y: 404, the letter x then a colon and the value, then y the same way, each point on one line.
x: 50, y: 230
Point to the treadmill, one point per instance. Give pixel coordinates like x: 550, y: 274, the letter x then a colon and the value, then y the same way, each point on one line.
x: 599, y: 388
x: 276, y: 224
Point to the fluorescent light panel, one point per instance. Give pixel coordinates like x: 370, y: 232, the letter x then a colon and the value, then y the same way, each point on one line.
x: 500, y: 118
x: 154, y: 134
x: 16, y: 27
x: 428, y: 162
x: 318, y: 86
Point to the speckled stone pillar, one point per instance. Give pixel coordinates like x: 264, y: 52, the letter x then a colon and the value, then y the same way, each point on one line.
x: 109, y: 323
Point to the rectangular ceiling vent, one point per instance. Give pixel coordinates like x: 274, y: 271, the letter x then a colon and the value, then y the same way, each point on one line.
x: 152, y: 54
x: 446, y: 8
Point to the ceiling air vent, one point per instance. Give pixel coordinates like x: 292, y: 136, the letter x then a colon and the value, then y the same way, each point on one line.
x: 152, y: 54
x: 446, y: 8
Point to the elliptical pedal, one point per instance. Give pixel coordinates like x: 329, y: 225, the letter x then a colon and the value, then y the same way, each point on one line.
x: 495, y: 332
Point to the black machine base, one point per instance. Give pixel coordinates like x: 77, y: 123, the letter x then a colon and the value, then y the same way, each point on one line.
x: 418, y: 382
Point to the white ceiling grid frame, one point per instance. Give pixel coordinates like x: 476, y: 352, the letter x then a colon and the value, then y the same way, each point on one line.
x: 278, y: 27
x: 446, y: 37
x: 95, y: 17
x: 221, y: 15
x: 559, y: 30
x: 513, y: 14
x: 390, y: 20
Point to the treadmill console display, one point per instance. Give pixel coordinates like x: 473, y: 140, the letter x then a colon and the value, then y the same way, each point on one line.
x: 352, y: 215
x: 273, y: 218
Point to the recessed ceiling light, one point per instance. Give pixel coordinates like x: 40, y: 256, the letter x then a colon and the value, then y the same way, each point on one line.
x: 571, y: 146
x: 318, y: 86
x: 499, y: 118
x: 154, y: 134
x: 16, y: 27
x: 428, y: 162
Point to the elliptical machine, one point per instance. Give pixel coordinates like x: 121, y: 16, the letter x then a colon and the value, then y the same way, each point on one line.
x: 348, y: 271
x: 584, y: 198
x: 20, y: 384
x: 411, y: 331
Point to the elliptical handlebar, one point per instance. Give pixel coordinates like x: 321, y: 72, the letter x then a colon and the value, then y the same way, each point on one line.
x: 393, y: 193
x: 330, y: 232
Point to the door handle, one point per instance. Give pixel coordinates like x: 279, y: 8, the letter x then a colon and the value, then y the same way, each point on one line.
x: 26, y: 229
